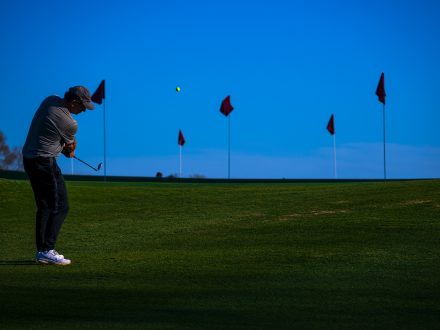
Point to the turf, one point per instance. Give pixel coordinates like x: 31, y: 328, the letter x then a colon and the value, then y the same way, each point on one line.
x: 227, y: 256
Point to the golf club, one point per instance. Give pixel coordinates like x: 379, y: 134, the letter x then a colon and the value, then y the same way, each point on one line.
x: 96, y: 169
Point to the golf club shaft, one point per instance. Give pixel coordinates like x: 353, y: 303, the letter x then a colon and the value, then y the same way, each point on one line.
x: 85, y: 163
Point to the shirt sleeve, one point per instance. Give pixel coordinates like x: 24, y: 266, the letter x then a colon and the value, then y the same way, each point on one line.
x: 66, y: 125
x: 69, y: 132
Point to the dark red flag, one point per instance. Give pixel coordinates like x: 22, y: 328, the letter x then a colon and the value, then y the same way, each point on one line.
x: 380, y: 90
x: 180, y: 139
x: 331, y: 125
x: 99, y: 94
x: 226, y: 107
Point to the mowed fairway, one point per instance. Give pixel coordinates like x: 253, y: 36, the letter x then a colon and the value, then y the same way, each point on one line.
x: 227, y: 256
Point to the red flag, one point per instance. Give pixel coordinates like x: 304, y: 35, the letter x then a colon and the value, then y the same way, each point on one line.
x: 226, y: 107
x: 331, y: 125
x: 380, y: 90
x: 181, y: 140
x: 99, y: 94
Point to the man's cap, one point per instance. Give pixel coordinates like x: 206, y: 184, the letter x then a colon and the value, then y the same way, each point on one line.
x: 82, y: 94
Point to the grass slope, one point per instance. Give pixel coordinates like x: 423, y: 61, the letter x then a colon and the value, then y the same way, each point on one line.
x: 239, y: 256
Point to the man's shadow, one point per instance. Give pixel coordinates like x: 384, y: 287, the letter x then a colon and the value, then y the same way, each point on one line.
x: 18, y: 263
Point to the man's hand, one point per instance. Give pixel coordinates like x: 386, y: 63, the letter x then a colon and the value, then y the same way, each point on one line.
x: 69, y: 149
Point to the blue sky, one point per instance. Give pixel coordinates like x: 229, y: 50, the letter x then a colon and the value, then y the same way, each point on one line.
x: 288, y: 65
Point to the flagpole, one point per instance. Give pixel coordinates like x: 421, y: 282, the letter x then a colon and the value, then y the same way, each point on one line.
x: 226, y: 108
x: 334, y: 157
x: 229, y: 147
x: 180, y: 161
x: 105, y: 148
x: 384, y: 145
x: 380, y: 92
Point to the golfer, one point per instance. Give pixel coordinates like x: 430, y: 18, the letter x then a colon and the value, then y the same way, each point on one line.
x: 52, y: 132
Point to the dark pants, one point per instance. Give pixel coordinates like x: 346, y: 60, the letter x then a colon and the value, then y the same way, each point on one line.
x: 51, y: 199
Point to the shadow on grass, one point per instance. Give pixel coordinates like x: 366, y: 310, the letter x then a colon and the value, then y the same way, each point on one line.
x: 18, y: 263
x: 113, y: 308
x: 199, y: 307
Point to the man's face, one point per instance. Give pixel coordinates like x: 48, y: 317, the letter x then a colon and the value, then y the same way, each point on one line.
x: 77, y: 107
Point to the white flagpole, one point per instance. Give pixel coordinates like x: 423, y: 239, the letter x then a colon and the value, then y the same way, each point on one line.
x: 334, y: 156
x: 105, y: 152
x: 384, y: 153
x: 229, y: 146
x: 180, y: 161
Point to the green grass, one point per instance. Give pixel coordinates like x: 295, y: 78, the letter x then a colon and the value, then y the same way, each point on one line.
x: 227, y: 256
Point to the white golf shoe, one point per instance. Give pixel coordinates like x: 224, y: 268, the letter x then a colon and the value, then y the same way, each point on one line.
x: 51, y: 257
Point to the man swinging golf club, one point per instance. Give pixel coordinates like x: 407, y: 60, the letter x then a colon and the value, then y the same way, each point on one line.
x: 52, y: 132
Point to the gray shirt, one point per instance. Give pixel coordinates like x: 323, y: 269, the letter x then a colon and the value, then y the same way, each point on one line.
x: 51, y: 128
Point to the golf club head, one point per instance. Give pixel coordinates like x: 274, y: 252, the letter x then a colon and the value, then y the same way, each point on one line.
x: 99, y: 166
